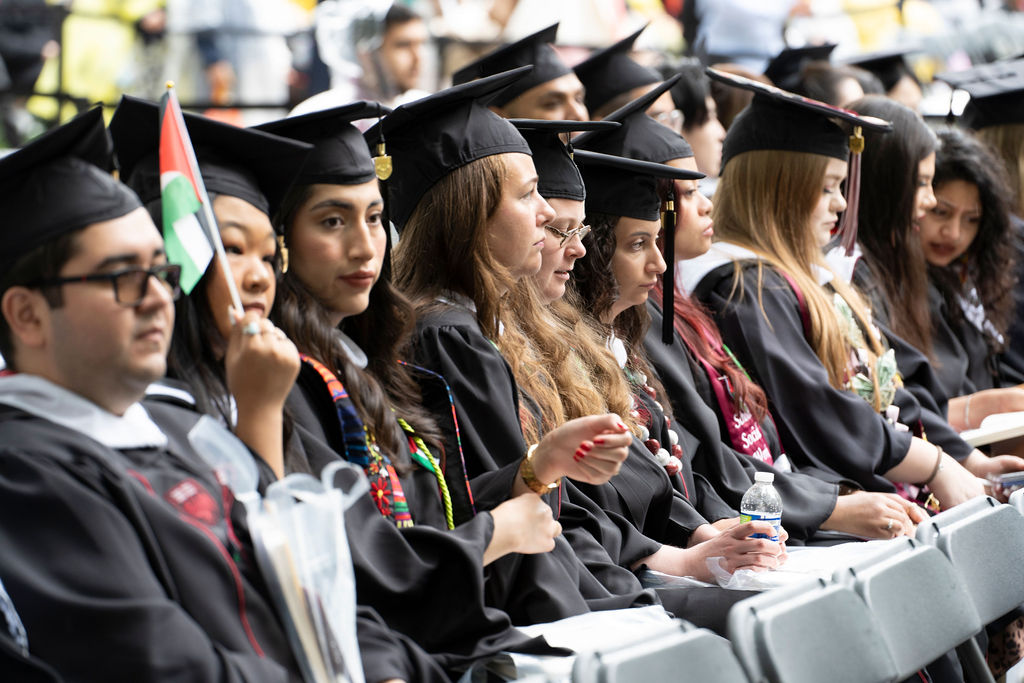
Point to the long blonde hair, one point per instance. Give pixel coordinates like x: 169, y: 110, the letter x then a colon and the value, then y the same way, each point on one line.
x: 763, y: 202
x: 1008, y: 141
x: 587, y: 377
x: 444, y: 250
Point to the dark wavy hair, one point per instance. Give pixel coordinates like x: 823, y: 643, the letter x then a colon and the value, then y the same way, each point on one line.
x: 990, y: 260
x: 385, y: 388
x: 892, y: 248
x: 595, y: 290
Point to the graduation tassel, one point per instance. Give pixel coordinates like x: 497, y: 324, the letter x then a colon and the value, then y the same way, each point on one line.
x: 848, y: 226
x: 382, y: 167
x: 668, y: 282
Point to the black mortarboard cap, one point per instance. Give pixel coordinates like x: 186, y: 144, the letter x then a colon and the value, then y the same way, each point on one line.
x: 629, y: 187
x: 785, y: 68
x: 640, y: 137
x: 240, y: 162
x: 625, y: 187
x: 57, y: 184
x: 340, y: 154
x: 996, y: 90
x: 608, y: 73
x: 889, y: 65
x: 431, y: 137
x: 559, y: 178
x: 782, y: 121
x: 534, y: 49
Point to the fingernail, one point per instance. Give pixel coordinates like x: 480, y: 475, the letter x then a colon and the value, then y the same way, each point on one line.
x: 585, y: 446
x: 621, y: 427
x: 599, y: 442
x: 579, y: 455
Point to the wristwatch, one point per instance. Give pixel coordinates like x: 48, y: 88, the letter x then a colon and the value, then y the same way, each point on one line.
x: 530, y: 477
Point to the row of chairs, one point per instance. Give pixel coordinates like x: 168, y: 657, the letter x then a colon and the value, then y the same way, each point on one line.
x: 881, y: 619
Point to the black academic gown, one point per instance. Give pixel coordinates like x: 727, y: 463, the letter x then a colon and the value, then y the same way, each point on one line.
x: 136, y: 564
x: 806, y: 501
x: 487, y: 403
x: 922, y: 400
x: 525, y: 589
x: 826, y: 432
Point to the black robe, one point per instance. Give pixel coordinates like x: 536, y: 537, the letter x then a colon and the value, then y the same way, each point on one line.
x: 136, y: 564
x: 525, y: 589
x: 923, y: 399
x: 487, y: 403
x: 806, y: 501
x: 829, y: 433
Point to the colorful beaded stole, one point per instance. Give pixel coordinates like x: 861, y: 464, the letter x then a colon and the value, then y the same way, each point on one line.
x: 361, y: 449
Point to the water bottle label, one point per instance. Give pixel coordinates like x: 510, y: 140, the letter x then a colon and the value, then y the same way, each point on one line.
x: 774, y: 519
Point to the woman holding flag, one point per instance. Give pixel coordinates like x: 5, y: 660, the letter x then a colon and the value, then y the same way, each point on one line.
x: 238, y: 366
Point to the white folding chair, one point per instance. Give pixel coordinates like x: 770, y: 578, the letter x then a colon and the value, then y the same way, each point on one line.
x: 919, y: 602
x: 808, y: 633
x: 984, y: 540
x: 690, y: 654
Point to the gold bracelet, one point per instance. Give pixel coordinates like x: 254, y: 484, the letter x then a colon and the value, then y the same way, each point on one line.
x: 530, y: 477
x: 938, y: 464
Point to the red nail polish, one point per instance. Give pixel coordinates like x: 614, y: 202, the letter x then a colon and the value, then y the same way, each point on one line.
x: 599, y: 442
x: 579, y: 455
x: 622, y: 427
x: 585, y: 446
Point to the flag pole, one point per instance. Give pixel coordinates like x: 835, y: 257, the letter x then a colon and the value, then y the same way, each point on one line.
x: 204, y: 200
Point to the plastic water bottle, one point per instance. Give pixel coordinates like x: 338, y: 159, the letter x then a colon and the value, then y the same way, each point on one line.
x: 761, y: 503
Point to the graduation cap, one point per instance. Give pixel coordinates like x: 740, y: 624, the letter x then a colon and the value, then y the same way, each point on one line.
x: 239, y: 162
x: 785, y: 68
x: 340, y: 154
x: 639, y: 137
x: 558, y: 176
x: 889, y: 65
x: 534, y: 49
x: 57, y: 184
x: 431, y: 137
x: 996, y: 90
x: 782, y: 121
x: 608, y: 73
x: 629, y: 187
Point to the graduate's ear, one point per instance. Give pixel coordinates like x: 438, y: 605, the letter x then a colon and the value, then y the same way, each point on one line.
x: 27, y: 314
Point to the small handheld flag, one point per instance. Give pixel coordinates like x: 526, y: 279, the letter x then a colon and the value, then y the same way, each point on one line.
x: 191, y: 234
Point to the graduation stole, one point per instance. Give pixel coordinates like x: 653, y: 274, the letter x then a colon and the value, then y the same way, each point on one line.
x: 361, y: 449
x: 745, y: 433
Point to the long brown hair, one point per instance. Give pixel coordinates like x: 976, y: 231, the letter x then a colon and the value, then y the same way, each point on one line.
x: 751, y: 211
x: 384, y: 389
x: 892, y: 247
x: 586, y: 376
x: 444, y: 250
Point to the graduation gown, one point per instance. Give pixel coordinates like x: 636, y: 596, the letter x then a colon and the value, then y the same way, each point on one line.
x: 806, y: 501
x: 487, y: 403
x: 525, y: 589
x: 153, y: 577
x: 922, y: 399
x: 829, y: 433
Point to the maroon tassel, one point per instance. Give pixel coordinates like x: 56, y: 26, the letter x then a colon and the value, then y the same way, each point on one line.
x: 848, y: 224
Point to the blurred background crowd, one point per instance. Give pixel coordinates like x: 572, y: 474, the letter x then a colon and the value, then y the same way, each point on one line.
x: 247, y: 61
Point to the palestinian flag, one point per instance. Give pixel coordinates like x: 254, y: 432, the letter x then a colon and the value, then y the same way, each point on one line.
x: 187, y: 237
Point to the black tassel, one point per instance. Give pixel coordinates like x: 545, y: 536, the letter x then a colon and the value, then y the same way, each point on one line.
x: 668, y: 281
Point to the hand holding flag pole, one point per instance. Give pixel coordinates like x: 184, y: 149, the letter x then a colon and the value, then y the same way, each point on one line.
x: 190, y: 228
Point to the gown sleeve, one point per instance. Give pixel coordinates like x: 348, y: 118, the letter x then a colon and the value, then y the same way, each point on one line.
x: 822, y: 428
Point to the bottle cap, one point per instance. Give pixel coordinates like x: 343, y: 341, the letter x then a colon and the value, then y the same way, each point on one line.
x: 764, y: 477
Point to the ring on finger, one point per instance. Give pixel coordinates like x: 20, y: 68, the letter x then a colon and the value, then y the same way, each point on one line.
x: 888, y: 527
x: 251, y: 329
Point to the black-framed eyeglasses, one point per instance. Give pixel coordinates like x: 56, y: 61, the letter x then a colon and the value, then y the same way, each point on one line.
x: 580, y: 232
x: 129, y: 284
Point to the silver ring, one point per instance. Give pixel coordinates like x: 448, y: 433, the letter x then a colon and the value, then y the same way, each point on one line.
x: 251, y: 329
x: 888, y: 527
